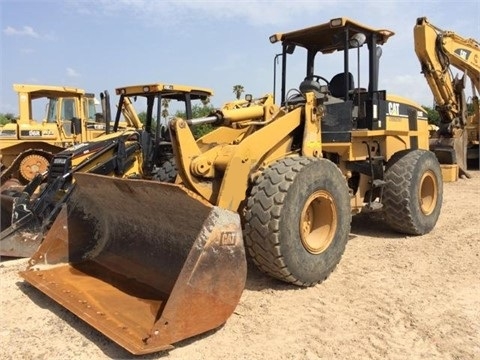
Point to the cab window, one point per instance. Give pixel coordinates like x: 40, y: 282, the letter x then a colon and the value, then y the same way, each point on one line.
x: 68, y: 110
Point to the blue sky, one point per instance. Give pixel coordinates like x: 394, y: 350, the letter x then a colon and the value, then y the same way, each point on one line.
x: 103, y: 44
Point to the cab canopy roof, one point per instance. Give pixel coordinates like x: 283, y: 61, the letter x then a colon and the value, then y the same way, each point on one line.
x: 329, y: 37
x: 169, y: 91
x: 48, y: 91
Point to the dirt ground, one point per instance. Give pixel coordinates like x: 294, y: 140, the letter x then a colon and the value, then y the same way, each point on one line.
x: 391, y: 297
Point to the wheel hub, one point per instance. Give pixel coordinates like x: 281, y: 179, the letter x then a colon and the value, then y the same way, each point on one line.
x: 428, y: 193
x: 318, y: 222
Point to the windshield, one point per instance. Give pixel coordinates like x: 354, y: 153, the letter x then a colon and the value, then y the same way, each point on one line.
x: 91, y: 109
x: 52, y: 110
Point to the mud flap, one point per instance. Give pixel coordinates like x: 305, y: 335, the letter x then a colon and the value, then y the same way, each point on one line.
x: 146, y: 263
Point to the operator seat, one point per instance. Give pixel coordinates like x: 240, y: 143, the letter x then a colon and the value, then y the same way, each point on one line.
x: 337, y: 84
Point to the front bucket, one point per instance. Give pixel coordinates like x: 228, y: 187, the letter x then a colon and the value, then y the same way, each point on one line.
x: 146, y: 263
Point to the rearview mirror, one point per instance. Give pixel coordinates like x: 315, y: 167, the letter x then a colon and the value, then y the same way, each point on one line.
x: 289, y: 49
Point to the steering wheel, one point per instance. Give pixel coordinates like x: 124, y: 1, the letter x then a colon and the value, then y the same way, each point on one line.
x: 317, y: 78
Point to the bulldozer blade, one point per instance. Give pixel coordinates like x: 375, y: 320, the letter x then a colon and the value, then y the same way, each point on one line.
x: 146, y: 263
x: 20, y: 239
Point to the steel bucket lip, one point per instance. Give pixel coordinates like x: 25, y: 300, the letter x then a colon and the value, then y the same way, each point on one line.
x: 66, y: 295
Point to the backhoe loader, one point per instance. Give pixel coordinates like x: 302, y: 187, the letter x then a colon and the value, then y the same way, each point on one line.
x: 27, y: 145
x: 149, y: 264
x: 457, y: 139
x: 132, y: 153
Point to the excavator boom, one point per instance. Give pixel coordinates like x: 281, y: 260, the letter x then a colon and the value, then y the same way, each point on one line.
x: 438, y: 50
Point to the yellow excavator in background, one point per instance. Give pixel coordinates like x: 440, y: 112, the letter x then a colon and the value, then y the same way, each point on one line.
x: 150, y: 263
x: 136, y: 152
x: 457, y: 139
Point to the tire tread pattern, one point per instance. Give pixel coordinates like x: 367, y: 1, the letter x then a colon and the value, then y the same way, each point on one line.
x: 401, y: 214
x: 262, y: 218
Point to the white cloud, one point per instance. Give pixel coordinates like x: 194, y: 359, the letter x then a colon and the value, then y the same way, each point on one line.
x: 223, y: 22
x: 27, y: 51
x: 168, y: 12
x: 25, y: 31
x: 72, y: 72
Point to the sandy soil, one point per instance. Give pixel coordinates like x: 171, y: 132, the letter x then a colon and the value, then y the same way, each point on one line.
x: 391, y: 297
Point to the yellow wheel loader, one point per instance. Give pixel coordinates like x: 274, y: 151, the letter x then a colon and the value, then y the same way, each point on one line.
x: 27, y: 145
x: 149, y: 264
x: 28, y: 213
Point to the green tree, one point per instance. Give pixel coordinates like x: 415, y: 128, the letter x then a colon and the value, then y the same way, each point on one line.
x: 238, y: 90
x: 199, y: 111
x: 432, y: 115
x: 6, y: 118
x: 470, y: 108
x: 143, y: 117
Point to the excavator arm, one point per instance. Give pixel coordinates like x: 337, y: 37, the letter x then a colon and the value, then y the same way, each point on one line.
x: 438, y: 50
x: 464, y: 54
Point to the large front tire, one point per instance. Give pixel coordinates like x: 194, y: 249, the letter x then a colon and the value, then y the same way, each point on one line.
x: 413, y: 192
x: 297, y: 220
x: 167, y: 172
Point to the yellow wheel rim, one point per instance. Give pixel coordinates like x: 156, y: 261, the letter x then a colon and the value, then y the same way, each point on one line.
x: 318, y: 222
x: 427, y: 193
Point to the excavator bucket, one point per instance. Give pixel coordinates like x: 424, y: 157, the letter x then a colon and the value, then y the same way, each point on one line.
x: 146, y: 263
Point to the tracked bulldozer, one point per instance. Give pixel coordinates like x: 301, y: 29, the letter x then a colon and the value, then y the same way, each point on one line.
x: 149, y: 264
x: 28, y: 212
x: 27, y: 144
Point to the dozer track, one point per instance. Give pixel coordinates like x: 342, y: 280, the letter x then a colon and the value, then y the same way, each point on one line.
x: 146, y: 263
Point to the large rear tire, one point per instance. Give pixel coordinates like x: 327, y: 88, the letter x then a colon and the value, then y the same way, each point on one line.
x: 167, y: 172
x: 297, y: 220
x: 413, y: 192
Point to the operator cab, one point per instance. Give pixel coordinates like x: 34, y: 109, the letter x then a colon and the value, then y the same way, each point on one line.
x: 155, y: 139
x: 345, y: 105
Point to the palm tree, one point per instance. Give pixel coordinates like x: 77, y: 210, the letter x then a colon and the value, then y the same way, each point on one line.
x: 165, y: 113
x: 238, y: 90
